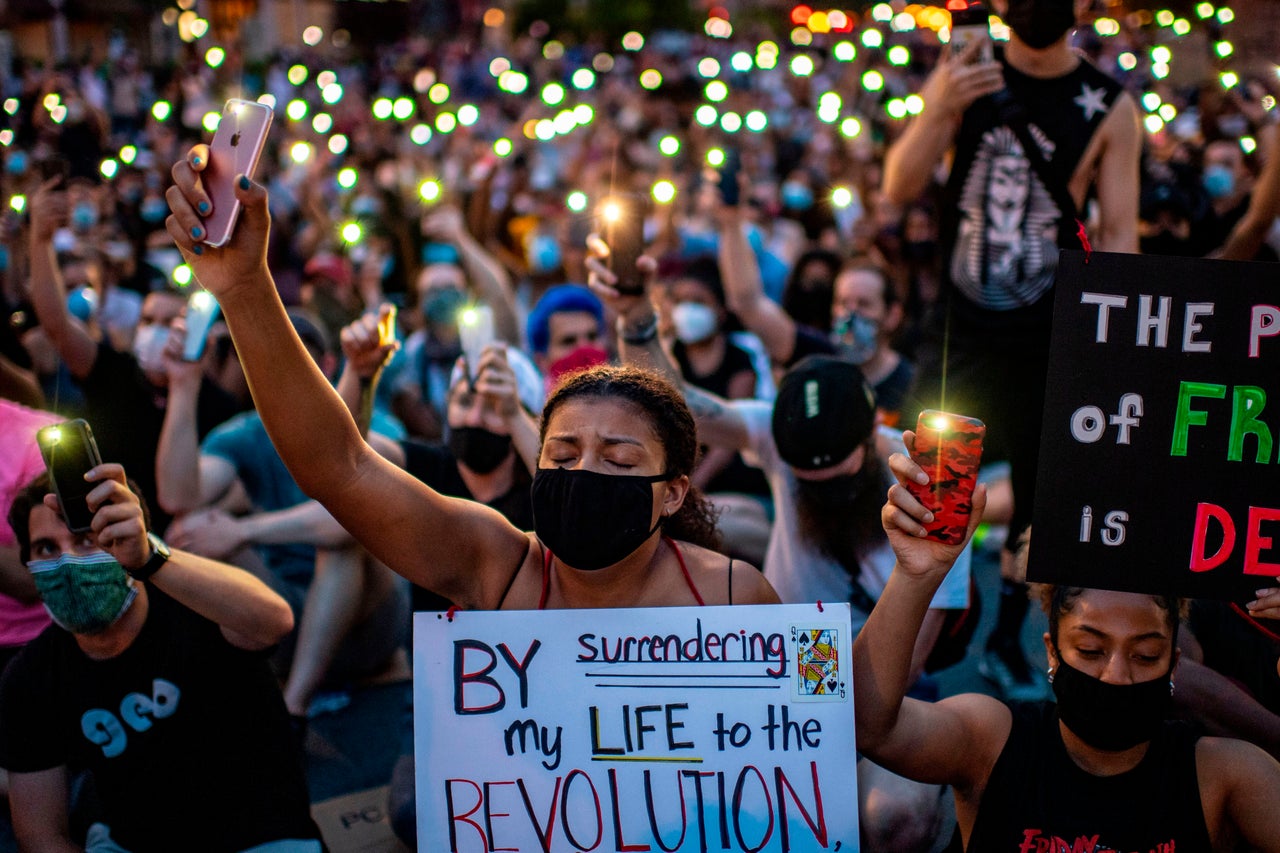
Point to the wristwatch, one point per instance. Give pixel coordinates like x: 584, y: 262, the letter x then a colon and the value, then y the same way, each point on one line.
x: 159, y: 556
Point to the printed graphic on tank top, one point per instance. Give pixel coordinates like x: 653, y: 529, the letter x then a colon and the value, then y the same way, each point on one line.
x: 1004, y: 228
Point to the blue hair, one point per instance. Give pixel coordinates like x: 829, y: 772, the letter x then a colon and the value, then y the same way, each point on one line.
x: 561, y: 299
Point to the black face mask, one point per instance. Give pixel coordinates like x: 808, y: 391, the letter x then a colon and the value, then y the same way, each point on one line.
x: 1110, y: 717
x: 1040, y: 23
x: 591, y: 520
x: 477, y: 448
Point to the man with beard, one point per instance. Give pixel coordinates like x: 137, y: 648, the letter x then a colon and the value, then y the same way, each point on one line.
x: 823, y: 456
x: 1032, y: 137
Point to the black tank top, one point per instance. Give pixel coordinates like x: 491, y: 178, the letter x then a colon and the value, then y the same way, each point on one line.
x: 1038, y: 799
x: 1001, y: 226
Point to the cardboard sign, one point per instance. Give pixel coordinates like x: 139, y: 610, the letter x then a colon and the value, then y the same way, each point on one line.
x: 673, y: 729
x: 1158, y: 453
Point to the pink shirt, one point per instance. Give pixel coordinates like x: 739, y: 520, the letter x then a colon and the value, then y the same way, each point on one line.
x: 20, y: 463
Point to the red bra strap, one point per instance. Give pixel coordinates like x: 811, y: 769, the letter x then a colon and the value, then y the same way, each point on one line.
x: 685, y: 569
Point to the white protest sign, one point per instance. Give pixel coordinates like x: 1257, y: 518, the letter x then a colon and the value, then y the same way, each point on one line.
x: 672, y: 729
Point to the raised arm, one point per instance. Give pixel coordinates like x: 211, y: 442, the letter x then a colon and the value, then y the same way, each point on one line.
x: 956, y: 82
x: 744, y: 290
x: 1264, y: 205
x: 460, y: 549
x: 954, y: 741
x: 48, y: 291
x: 185, y: 479
x: 485, y: 274
x: 1118, y: 178
x: 250, y: 615
x: 719, y: 423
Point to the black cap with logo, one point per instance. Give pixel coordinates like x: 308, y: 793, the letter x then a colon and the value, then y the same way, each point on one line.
x: 823, y: 411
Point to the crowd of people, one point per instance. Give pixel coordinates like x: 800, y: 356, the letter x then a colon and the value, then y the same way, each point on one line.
x: 819, y: 265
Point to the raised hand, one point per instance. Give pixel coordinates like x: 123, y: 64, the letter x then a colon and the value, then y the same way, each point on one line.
x: 240, y: 263
x: 904, y: 518
x: 362, y: 343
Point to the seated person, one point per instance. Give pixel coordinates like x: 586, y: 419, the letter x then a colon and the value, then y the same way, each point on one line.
x: 1102, y: 768
x: 154, y: 679
x: 352, y: 613
x: 866, y: 313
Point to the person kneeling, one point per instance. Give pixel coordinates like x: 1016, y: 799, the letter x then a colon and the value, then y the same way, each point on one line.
x: 1103, y: 768
x: 153, y: 679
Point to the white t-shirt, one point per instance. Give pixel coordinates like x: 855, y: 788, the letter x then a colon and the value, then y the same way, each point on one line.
x: 801, y: 573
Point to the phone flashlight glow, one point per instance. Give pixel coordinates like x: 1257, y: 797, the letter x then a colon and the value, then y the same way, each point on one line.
x: 54, y: 434
x: 202, y: 300
x: 612, y: 212
x: 940, y: 423
x: 469, y: 317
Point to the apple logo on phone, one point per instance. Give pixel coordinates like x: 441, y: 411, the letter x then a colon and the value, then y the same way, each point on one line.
x: 235, y: 139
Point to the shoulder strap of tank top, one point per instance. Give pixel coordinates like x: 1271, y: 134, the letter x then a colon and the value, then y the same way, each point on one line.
x: 512, y: 580
x: 685, y: 570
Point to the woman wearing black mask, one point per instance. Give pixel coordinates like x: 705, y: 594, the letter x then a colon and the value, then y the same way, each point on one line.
x: 1102, y: 769
x: 618, y: 446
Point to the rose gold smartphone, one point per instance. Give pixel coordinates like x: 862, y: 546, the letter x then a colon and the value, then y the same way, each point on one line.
x: 235, y: 150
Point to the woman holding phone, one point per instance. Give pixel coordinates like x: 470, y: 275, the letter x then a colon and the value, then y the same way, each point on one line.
x: 612, y: 481
x: 1101, y: 769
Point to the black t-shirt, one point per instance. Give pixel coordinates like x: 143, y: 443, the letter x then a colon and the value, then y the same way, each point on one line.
x: 1001, y: 228
x: 126, y: 413
x: 737, y: 476
x: 187, y: 736
x: 438, y: 468
x: 1036, y: 795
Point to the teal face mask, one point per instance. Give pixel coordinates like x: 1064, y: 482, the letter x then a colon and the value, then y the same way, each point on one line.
x: 85, y: 594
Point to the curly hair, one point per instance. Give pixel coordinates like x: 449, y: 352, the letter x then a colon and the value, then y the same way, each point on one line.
x: 663, y: 407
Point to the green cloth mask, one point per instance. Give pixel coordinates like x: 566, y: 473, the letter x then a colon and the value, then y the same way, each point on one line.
x: 85, y: 594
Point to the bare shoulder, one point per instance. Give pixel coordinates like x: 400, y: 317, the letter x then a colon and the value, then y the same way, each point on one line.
x: 983, y: 724
x: 1239, y: 791
x: 1226, y: 762
x: 711, y: 572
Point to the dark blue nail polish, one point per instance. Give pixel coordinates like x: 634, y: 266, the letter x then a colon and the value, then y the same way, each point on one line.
x: 198, y: 249
x: 244, y: 182
x: 203, y: 207
x: 197, y: 232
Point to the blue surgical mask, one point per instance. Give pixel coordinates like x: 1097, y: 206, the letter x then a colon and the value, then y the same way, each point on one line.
x: 544, y: 254
x: 84, y: 216
x: 16, y: 163
x: 796, y: 195
x: 857, y: 337
x: 365, y: 206
x: 442, y: 306
x: 1219, y: 181
x: 83, y: 303
x: 4, y: 258
x: 153, y: 210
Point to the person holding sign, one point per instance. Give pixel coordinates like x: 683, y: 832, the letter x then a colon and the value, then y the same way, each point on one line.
x: 617, y: 449
x: 1102, y: 768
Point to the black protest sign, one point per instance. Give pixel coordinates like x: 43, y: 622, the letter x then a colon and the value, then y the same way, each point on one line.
x: 1158, y: 451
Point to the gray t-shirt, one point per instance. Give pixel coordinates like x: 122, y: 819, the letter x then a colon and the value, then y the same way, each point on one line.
x: 799, y: 572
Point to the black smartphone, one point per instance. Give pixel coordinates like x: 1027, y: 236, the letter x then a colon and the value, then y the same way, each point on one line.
x: 620, y: 223
x: 69, y: 453
x: 730, y: 190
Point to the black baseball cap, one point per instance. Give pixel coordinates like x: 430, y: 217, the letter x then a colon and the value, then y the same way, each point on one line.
x: 823, y: 412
